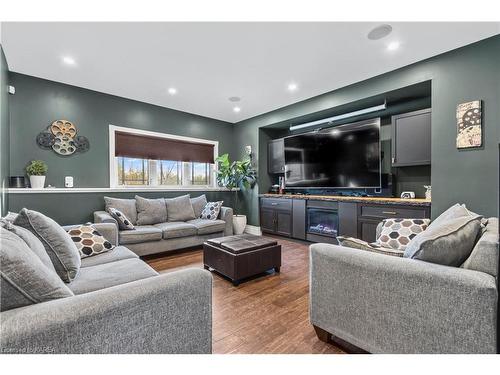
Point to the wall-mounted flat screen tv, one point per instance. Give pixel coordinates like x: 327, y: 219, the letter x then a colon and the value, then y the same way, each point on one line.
x: 345, y: 156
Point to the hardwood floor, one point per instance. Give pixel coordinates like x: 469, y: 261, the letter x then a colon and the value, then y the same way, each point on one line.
x: 269, y: 314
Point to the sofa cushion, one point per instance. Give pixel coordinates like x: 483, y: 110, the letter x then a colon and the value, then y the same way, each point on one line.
x: 127, y: 206
x: 397, y: 233
x: 25, y: 280
x: 89, y: 241
x: 141, y: 233
x: 205, y: 226
x: 449, y: 243
x: 355, y: 243
x: 199, y: 204
x: 211, y: 210
x: 110, y: 274
x: 30, y: 239
x: 122, y: 220
x: 58, y: 244
x: 484, y: 256
x: 150, y: 211
x: 177, y: 229
x: 179, y: 208
x: 118, y: 253
x: 455, y: 211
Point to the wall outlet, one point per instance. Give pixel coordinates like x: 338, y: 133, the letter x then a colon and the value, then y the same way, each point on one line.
x: 68, y: 181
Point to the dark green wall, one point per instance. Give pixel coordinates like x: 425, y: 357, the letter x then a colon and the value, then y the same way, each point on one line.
x: 468, y: 73
x: 4, y: 133
x: 74, y: 208
x: 38, y: 102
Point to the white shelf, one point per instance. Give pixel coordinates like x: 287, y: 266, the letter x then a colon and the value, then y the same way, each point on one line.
x: 109, y: 190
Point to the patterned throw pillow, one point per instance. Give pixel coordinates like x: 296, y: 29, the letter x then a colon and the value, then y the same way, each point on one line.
x: 211, y: 210
x: 123, y: 222
x: 397, y: 233
x: 356, y: 243
x: 89, y: 241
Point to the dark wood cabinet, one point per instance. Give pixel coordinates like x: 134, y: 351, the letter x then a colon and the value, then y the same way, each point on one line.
x: 276, y: 216
x: 411, y: 138
x: 276, y: 156
x: 367, y: 229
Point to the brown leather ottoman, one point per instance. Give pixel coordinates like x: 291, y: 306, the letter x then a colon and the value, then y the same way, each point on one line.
x: 241, y: 256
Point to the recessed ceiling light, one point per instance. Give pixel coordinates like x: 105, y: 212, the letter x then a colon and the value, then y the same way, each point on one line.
x: 392, y: 46
x: 236, y: 109
x: 234, y: 99
x: 380, y: 32
x: 68, y: 60
x: 292, y: 86
x: 172, y: 91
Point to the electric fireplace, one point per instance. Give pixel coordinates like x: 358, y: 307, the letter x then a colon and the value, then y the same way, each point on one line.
x: 322, y: 221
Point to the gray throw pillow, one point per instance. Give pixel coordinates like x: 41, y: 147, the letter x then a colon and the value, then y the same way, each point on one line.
x: 180, y: 208
x: 58, y: 244
x: 356, y: 243
x: 455, y: 211
x: 446, y: 242
x: 24, y: 278
x: 30, y: 239
x: 126, y: 206
x: 150, y: 211
x: 199, y: 204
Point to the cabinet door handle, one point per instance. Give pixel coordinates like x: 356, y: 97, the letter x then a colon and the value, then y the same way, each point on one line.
x: 393, y: 160
x: 274, y: 204
x: 390, y: 212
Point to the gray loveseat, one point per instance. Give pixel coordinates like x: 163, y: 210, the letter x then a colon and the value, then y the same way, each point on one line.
x: 170, y: 234
x: 120, y: 305
x: 384, y: 304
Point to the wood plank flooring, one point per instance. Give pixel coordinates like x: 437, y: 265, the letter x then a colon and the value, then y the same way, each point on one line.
x: 269, y: 314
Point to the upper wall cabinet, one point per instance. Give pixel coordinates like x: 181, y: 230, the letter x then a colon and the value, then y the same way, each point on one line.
x: 276, y: 156
x: 411, y: 138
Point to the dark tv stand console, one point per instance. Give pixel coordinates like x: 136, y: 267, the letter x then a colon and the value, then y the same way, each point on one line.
x: 320, y: 218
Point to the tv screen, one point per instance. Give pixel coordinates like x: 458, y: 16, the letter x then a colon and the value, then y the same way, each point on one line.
x: 346, y: 156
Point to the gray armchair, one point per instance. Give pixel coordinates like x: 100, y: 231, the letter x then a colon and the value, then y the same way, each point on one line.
x: 384, y: 304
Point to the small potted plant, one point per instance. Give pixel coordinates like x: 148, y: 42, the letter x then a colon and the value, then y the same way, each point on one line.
x: 233, y: 175
x: 37, y: 170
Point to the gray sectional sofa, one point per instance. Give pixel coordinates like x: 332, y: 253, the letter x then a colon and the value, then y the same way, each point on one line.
x: 384, y: 304
x: 116, y: 303
x: 167, y: 233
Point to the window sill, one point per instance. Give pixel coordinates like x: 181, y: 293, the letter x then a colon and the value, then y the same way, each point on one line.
x: 112, y: 190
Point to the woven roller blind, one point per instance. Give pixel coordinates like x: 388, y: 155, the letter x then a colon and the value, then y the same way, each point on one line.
x: 147, y: 147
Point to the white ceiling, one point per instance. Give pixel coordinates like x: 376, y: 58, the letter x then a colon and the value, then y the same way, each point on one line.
x: 210, y: 62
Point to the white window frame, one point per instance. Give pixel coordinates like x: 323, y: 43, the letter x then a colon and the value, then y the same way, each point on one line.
x: 113, y: 165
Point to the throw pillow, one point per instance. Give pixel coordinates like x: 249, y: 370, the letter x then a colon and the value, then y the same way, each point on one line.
x: 24, y: 278
x: 199, y: 204
x: 30, y: 239
x: 123, y: 221
x: 57, y: 242
x: 457, y: 210
x: 211, y: 210
x: 89, y: 241
x: 449, y: 243
x: 356, y: 243
x: 150, y: 211
x: 179, y: 208
x: 397, y: 233
x: 126, y: 206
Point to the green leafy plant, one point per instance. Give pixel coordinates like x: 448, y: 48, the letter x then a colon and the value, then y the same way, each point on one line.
x: 36, y: 168
x: 236, y: 174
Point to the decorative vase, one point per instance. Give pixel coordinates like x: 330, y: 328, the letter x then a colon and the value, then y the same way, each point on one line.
x: 37, y: 182
x: 239, y: 224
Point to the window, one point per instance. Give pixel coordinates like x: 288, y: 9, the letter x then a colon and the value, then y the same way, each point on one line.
x: 147, y: 159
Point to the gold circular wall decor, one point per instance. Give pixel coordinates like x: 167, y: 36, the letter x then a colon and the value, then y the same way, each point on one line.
x: 63, y: 128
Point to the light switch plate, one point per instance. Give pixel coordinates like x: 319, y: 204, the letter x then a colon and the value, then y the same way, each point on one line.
x: 68, y: 181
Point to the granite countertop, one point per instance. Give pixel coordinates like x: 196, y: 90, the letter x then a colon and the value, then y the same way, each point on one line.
x: 341, y: 198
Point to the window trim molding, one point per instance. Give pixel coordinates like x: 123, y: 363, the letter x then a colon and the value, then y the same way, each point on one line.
x: 113, y: 182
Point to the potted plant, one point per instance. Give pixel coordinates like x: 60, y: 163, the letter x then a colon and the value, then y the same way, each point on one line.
x: 36, y: 170
x: 234, y: 175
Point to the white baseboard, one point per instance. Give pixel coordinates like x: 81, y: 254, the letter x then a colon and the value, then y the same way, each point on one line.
x: 252, y: 229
